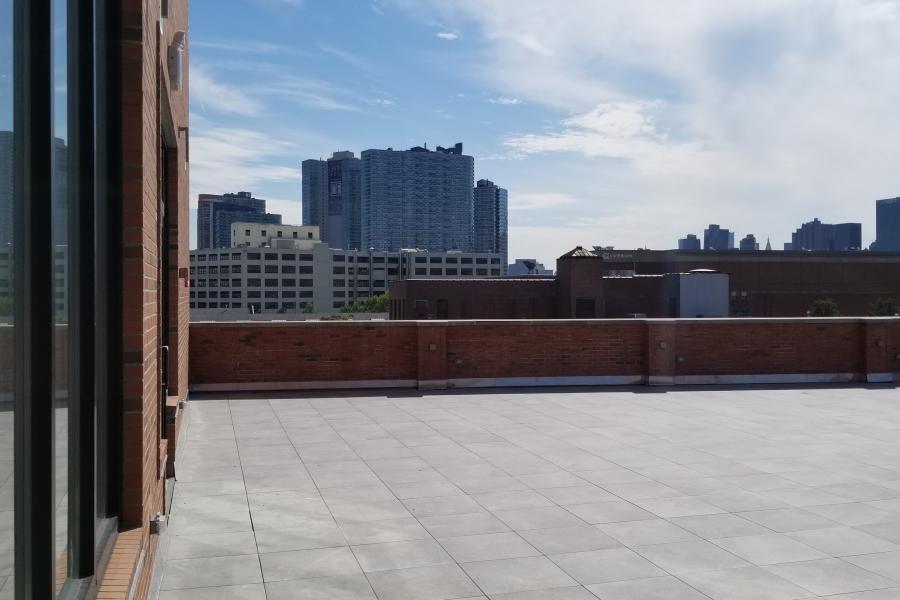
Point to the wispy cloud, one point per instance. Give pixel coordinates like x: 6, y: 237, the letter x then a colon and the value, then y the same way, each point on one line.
x: 348, y: 57
x: 227, y: 159
x: 213, y: 95
x: 447, y: 35
x: 311, y: 92
x: 248, y: 47
x: 503, y: 100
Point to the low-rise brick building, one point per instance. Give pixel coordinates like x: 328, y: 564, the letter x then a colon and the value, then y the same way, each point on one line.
x: 605, y: 283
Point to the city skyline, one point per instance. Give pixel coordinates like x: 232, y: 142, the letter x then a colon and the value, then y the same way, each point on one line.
x: 765, y: 114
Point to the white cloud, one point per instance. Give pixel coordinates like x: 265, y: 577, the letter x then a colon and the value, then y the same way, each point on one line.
x: 213, y: 95
x: 540, y: 200
x: 618, y: 130
x: 447, y: 35
x: 504, y: 100
x: 232, y: 159
x: 760, y: 115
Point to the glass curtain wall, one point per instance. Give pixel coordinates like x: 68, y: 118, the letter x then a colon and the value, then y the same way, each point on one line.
x: 57, y: 302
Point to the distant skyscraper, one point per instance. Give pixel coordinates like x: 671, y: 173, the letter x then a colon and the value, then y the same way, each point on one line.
x: 716, y: 238
x: 6, y: 189
x: 768, y: 244
x: 417, y: 198
x: 749, y: 243
x: 527, y: 266
x: 887, y: 224
x: 215, y: 214
x: 491, y: 211
x: 691, y: 242
x: 331, y: 199
x: 816, y: 235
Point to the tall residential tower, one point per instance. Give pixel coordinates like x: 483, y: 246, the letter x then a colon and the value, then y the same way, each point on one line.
x: 716, y: 238
x: 491, y: 211
x: 215, y: 215
x: 816, y: 235
x: 417, y: 198
x: 887, y: 224
x: 331, y: 199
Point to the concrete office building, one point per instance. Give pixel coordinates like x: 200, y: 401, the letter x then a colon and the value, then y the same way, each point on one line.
x: 417, y: 198
x: 825, y: 237
x: 259, y: 235
x: 691, y: 242
x: 491, y: 215
x: 716, y: 238
x: 216, y: 214
x: 887, y: 224
x: 286, y: 274
x: 331, y: 198
x: 748, y: 244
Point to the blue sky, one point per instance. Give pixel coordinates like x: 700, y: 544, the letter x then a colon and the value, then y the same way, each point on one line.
x: 627, y: 125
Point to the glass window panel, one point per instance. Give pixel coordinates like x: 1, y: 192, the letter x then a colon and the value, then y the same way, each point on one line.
x: 7, y: 349
x: 59, y: 235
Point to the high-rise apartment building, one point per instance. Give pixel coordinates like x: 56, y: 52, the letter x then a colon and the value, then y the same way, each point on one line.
x: 749, y: 243
x: 216, y: 214
x: 691, y: 242
x: 716, y: 238
x: 417, y: 198
x: 331, y: 198
x: 887, y: 224
x: 490, y: 218
x: 816, y: 235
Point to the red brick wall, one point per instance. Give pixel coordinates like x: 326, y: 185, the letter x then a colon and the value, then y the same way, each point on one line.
x: 151, y: 112
x: 265, y: 353
x: 273, y: 352
x: 545, y: 348
x: 748, y: 348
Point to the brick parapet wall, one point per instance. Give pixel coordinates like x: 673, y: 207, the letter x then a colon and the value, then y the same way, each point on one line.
x: 515, y: 352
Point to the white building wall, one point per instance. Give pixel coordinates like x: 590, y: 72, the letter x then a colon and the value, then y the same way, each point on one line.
x: 257, y: 235
x: 287, y: 279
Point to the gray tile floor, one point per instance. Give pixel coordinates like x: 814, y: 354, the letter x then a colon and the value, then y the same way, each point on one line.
x: 626, y: 494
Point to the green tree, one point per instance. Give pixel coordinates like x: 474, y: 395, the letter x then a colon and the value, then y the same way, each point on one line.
x: 885, y: 307
x: 309, y: 308
x: 373, y: 304
x: 824, y: 308
x: 6, y: 306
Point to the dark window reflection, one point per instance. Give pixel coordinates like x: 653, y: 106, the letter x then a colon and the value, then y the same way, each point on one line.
x: 59, y: 237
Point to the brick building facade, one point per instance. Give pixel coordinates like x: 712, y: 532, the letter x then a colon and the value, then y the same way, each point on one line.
x: 619, y: 284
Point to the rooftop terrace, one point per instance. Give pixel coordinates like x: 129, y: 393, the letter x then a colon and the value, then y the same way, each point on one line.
x: 551, y: 494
